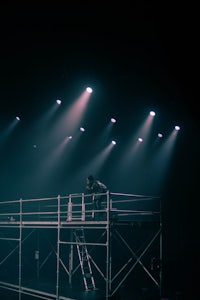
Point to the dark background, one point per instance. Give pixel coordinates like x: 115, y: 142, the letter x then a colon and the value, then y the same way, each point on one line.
x: 138, y: 56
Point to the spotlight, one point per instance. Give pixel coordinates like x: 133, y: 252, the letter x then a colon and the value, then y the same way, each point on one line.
x: 177, y: 128
x: 18, y: 118
x: 89, y: 90
x: 58, y: 101
x: 160, y: 135
x: 113, y: 120
x: 82, y: 129
x: 152, y: 113
x: 140, y: 140
x: 113, y: 142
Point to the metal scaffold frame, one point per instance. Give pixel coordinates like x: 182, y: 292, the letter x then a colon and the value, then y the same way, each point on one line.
x: 63, y: 218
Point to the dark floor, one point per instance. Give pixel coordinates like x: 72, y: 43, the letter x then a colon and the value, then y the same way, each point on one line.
x: 134, y: 287
x: 78, y: 293
x: 91, y: 295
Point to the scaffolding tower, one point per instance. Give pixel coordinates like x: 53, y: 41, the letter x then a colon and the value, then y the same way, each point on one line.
x: 59, y: 236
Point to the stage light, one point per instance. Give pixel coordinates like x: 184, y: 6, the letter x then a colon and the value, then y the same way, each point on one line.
x: 152, y: 113
x: 89, y: 90
x: 140, y: 140
x: 82, y: 129
x: 113, y: 120
x: 18, y: 118
x: 160, y: 135
x: 113, y: 142
x: 58, y: 101
x: 177, y: 128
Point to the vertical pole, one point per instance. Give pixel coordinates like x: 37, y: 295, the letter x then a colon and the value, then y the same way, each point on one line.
x: 110, y: 244
x: 83, y: 208
x: 58, y: 250
x: 20, y: 249
x: 37, y: 251
x: 71, y: 257
x: 93, y: 206
x: 69, y: 213
x: 161, y: 251
x: 108, y: 252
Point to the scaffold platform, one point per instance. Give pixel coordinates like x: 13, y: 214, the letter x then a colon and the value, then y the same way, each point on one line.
x: 39, y: 241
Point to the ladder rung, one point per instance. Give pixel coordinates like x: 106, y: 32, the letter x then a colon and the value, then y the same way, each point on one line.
x: 84, y: 259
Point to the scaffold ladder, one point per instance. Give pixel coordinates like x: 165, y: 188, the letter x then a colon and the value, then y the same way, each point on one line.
x: 84, y: 259
x: 78, y: 214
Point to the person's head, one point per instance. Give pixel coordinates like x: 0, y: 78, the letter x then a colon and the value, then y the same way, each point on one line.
x: 90, y: 179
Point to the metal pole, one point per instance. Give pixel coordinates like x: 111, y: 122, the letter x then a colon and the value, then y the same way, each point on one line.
x: 69, y: 213
x: 71, y: 257
x: 161, y: 250
x: 58, y: 251
x: 37, y: 252
x: 83, y: 208
x: 20, y: 249
x: 108, y: 252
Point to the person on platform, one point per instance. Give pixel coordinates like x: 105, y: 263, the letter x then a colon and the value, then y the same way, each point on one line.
x: 99, y: 191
